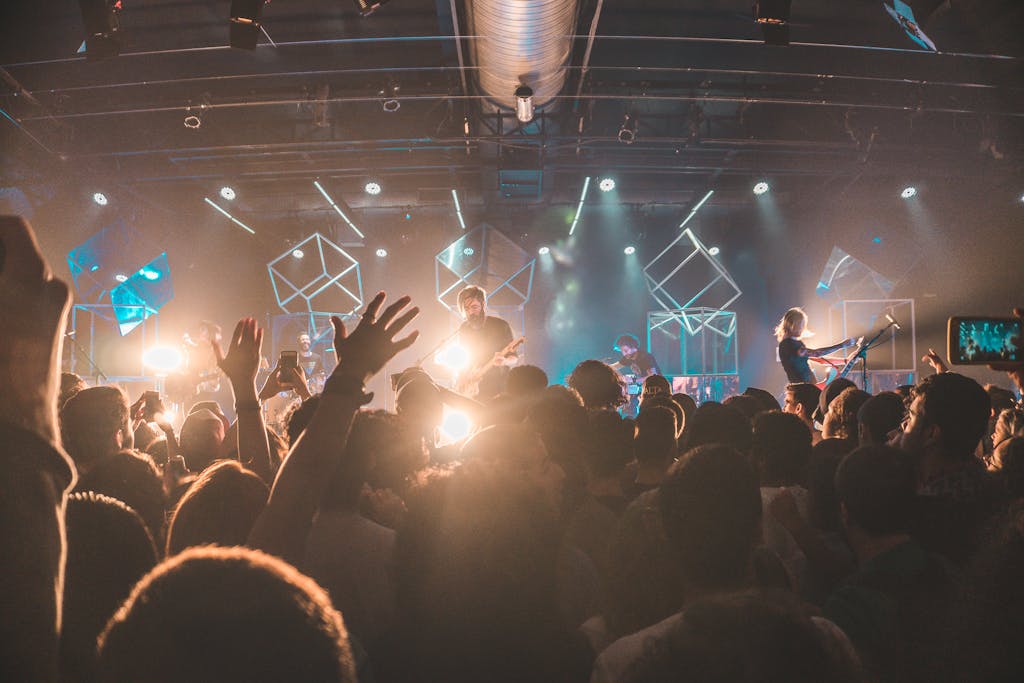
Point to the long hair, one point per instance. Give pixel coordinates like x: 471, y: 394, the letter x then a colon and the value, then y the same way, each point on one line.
x: 789, y: 322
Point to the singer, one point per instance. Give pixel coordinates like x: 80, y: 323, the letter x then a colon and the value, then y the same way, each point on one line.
x: 793, y: 354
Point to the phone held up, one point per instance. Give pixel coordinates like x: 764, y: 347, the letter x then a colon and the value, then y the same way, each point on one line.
x: 288, y: 360
x: 981, y: 341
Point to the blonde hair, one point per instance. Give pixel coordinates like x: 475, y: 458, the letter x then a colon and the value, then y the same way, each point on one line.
x: 789, y: 322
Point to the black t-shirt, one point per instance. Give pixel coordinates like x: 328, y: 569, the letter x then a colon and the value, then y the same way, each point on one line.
x: 494, y: 335
x: 642, y: 363
x: 796, y: 366
x: 310, y: 364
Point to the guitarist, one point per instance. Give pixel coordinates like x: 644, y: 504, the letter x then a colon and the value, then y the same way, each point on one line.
x: 483, y: 336
x: 793, y: 353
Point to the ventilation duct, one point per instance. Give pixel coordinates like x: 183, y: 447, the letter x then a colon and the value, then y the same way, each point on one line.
x: 521, y: 42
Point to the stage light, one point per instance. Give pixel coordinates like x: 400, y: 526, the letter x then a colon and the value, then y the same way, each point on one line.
x: 234, y: 220
x: 368, y: 7
x: 458, y: 209
x: 99, y: 198
x: 454, y: 357
x: 192, y: 121
x: 149, y: 274
x: 121, y: 277
x: 227, y: 193
x: 760, y: 188
x: 102, y: 32
x: 773, y: 18
x: 455, y: 425
x: 877, y: 240
x: 908, y: 192
x: 382, y: 252
x: 1022, y: 197
x: 337, y: 209
x: 607, y: 184
x: 714, y: 251
x: 298, y: 253
x: 391, y: 105
x: 244, y: 23
x: 627, y: 133
x: 163, y: 359
x: 544, y: 251
x: 694, y: 210
x: 579, y: 207
x: 629, y: 251
x: 372, y: 188
x: 524, y: 104
x: 468, y: 251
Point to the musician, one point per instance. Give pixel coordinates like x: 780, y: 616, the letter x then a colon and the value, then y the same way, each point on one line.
x: 480, y: 334
x: 310, y: 361
x: 793, y: 353
x: 633, y: 359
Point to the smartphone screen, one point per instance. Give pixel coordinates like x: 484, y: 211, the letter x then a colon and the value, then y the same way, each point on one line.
x: 289, y: 359
x: 985, y: 340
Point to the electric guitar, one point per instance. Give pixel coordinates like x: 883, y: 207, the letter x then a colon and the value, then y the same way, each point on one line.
x: 469, y: 379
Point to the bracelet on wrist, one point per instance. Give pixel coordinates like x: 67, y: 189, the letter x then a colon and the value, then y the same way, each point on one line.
x: 247, y: 406
x: 347, y: 386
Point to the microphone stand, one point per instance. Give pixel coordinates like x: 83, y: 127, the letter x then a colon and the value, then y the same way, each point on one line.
x: 862, y: 353
x: 78, y: 347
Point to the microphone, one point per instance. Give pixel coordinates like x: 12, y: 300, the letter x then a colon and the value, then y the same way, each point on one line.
x: 892, y: 321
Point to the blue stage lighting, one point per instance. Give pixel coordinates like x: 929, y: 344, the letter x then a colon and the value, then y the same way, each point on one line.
x: 877, y: 240
x: 607, y: 184
x: 121, y: 277
x: 629, y: 250
x: 468, y: 251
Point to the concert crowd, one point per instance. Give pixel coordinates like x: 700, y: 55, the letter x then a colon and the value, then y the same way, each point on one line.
x: 837, y: 536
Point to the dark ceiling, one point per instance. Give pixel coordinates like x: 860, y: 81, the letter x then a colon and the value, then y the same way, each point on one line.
x: 851, y: 97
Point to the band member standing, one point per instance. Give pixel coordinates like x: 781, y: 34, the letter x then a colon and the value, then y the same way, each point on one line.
x: 310, y: 361
x: 483, y: 336
x: 633, y: 359
x: 793, y: 353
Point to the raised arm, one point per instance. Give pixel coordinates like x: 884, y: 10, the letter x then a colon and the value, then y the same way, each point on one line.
x: 307, y: 469
x: 241, y: 365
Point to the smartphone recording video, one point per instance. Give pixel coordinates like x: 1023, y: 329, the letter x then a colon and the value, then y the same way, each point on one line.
x: 289, y: 360
x: 980, y: 341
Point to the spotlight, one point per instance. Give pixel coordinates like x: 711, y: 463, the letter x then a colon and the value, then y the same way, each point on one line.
x: 163, y: 359
x: 761, y: 188
x: 150, y: 274
x: 773, y: 18
x: 607, y: 184
x: 298, y: 253
x: 121, y: 277
x: 227, y: 193
x: 245, y: 23
x: 99, y: 198
x: 524, y: 104
x: 391, y: 106
x: 368, y: 7
x: 372, y: 188
x: 382, y: 252
x: 908, y: 192
x: 627, y: 134
x: 453, y: 357
x: 468, y: 251
x: 455, y: 425
x: 192, y: 121
x: 877, y: 240
x: 630, y: 250
x: 714, y: 251
x: 102, y: 32
x: 544, y: 251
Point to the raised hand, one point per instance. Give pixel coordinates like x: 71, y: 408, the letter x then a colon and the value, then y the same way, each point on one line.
x: 242, y: 361
x: 33, y: 313
x: 365, y: 351
x: 933, y: 359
